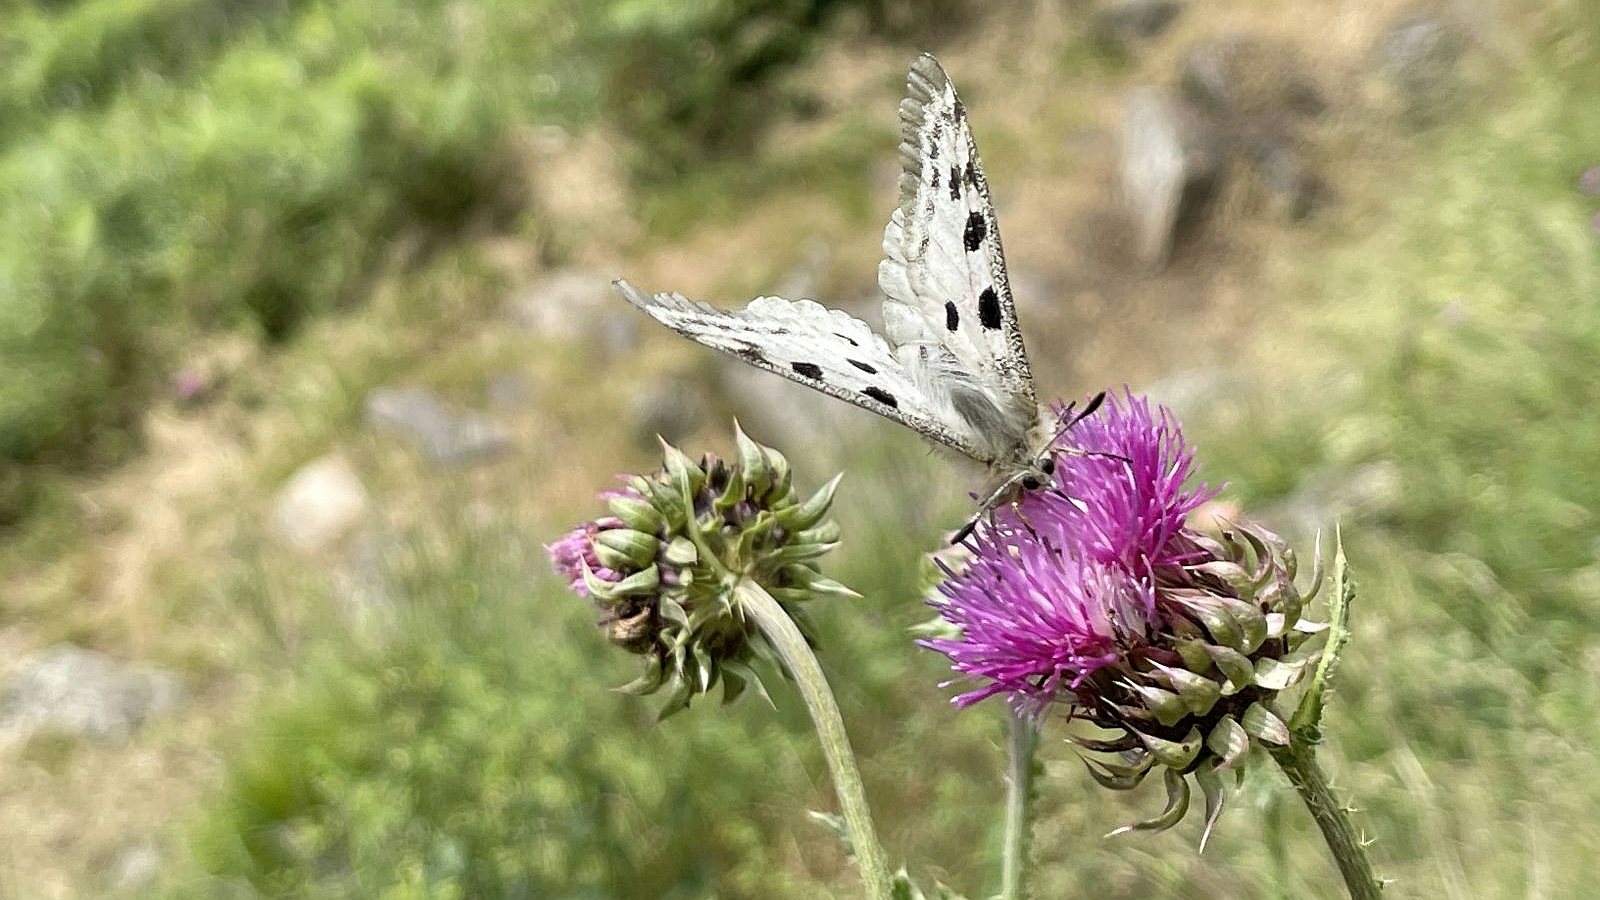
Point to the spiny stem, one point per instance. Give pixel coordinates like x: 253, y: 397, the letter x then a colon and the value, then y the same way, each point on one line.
x: 781, y: 632
x: 1299, y: 762
x: 1023, y: 741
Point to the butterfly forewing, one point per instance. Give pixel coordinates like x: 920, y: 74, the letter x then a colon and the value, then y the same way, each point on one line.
x: 821, y: 348
x: 950, y: 363
x: 944, y: 271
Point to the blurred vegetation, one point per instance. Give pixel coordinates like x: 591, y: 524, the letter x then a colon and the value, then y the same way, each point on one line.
x: 170, y: 168
x: 477, y: 749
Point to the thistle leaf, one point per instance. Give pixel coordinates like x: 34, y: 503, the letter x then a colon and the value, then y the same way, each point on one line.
x: 1261, y: 724
x: 1116, y: 778
x: 648, y: 681
x: 835, y: 824
x: 1277, y: 675
x: 1177, y: 806
x: 1307, y: 718
x: 901, y: 887
x: 1228, y: 742
x: 1173, y: 754
x: 811, y: 512
x: 1211, y: 788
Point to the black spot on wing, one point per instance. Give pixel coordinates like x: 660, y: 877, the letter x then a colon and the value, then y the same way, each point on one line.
x: 846, y: 338
x: 955, y: 183
x: 751, y: 354
x: 972, y: 173
x: 882, y: 396
x: 989, y: 309
x: 977, y: 229
x: 933, y: 176
x: 809, y: 370
x: 865, y: 367
x: 952, y: 316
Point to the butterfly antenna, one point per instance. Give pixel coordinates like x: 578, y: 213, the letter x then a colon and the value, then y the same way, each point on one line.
x: 966, y: 530
x: 1093, y: 407
x: 1069, y: 419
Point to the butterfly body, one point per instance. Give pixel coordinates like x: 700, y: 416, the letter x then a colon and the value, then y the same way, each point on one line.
x: 950, y: 362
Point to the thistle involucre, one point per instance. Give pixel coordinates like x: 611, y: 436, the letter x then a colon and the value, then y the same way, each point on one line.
x: 663, y: 565
x: 1095, y: 597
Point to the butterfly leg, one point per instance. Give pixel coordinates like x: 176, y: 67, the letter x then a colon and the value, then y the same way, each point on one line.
x: 1010, y: 487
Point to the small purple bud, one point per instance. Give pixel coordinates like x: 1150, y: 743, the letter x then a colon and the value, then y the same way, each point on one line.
x: 1589, y: 181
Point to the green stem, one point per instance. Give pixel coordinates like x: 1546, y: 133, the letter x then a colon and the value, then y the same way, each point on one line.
x: 1023, y: 741
x: 1299, y: 762
x: 781, y: 633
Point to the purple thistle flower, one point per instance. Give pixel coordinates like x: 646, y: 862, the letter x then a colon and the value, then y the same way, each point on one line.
x: 1066, y: 584
x: 575, y: 550
x: 1094, y: 594
x: 1034, y: 623
x: 1119, y: 495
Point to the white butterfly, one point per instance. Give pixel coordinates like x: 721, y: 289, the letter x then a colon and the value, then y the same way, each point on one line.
x: 950, y: 363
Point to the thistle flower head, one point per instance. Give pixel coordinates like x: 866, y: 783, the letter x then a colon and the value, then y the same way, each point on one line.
x: 1094, y: 596
x: 662, y: 565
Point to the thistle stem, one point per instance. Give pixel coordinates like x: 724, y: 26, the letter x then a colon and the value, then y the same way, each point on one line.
x: 1023, y: 741
x: 1299, y: 762
x: 781, y: 632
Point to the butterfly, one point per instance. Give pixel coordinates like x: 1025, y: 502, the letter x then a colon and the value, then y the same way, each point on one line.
x: 950, y: 363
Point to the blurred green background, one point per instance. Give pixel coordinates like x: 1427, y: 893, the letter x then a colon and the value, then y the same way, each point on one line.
x: 229, y: 226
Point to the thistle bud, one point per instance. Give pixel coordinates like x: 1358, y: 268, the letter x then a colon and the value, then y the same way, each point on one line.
x: 662, y: 564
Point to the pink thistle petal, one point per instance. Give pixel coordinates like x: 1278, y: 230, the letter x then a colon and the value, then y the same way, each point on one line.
x: 1067, y: 584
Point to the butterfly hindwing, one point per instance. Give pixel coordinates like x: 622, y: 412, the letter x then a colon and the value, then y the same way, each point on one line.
x: 825, y: 349
x: 944, y: 271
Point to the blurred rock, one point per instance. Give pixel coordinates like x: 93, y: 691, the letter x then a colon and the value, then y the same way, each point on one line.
x: 670, y: 407
x: 136, y: 867
x: 1121, y: 24
x: 444, y: 436
x: 509, y: 391
x: 1197, y: 394
x: 577, y: 305
x: 1258, y: 93
x: 1240, y: 75
x: 1171, y: 163
x: 1417, y: 59
x: 319, y: 504
x: 84, y: 693
x: 1289, y: 185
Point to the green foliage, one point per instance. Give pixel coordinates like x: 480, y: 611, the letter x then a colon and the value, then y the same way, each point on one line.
x: 479, y: 749
x: 173, y: 167
x: 693, y: 78
x: 481, y: 753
